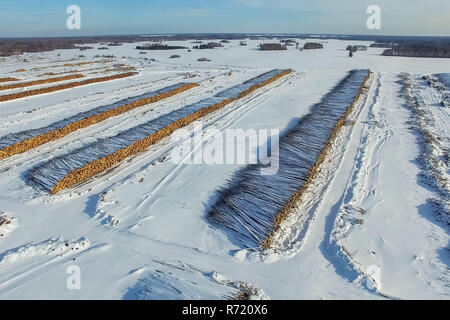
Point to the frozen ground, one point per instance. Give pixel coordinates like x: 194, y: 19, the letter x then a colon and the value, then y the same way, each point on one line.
x: 370, y: 229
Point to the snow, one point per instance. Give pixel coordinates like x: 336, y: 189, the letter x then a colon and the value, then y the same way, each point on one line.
x: 382, y: 194
x: 139, y: 231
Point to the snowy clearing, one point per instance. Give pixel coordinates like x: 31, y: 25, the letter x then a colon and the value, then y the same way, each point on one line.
x: 372, y: 224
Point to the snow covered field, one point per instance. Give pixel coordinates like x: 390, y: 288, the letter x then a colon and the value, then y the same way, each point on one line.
x: 374, y: 224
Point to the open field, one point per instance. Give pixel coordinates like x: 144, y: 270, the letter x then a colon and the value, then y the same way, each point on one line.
x: 358, y: 208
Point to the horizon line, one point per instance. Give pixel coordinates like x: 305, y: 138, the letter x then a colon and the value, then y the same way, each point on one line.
x: 168, y: 34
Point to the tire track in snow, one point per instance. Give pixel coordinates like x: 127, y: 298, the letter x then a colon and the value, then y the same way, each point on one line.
x: 33, y: 271
x: 362, y: 184
x: 165, y: 146
x: 222, y: 120
x: 362, y: 241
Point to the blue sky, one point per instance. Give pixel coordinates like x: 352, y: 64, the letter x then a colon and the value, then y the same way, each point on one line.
x: 48, y: 17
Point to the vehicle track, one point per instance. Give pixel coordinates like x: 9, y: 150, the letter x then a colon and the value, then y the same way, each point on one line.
x: 224, y: 120
x: 226, y: 117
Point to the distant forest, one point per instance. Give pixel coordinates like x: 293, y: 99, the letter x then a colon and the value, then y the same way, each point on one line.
x: 420, y: 49
x: 400, y: 46
x: 158, y: 46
